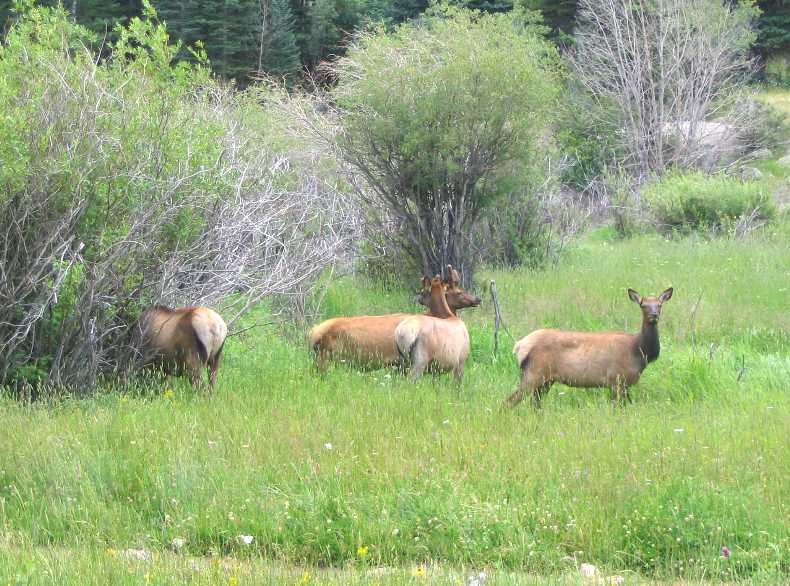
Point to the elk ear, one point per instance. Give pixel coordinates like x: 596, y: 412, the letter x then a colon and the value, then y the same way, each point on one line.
x: 635, y: 297
x: 666, y: 295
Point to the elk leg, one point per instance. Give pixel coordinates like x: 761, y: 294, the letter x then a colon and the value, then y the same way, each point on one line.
x: 458, y: 372
x: 538, y: 392
x: 321, y: 360
x: 619, y: 390
x: 419, y: 362
x: 213, y: 365
x: 518, y: 396
x: 195, y: 369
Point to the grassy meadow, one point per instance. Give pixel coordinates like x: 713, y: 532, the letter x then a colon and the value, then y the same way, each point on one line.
x: 361, y: 477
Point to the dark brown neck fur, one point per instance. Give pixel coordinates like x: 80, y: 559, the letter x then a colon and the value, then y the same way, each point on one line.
x: 647, y: 344
x: 438, y: 304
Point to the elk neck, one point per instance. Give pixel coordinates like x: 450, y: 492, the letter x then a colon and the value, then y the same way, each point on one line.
x: 647, y: 341
x: 438, y: 305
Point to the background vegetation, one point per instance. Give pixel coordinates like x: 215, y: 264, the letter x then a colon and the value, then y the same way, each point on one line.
x: 280, y: 37
x: 155, y: 180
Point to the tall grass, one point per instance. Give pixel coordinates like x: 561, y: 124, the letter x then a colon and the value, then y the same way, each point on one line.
x: 313, y: 468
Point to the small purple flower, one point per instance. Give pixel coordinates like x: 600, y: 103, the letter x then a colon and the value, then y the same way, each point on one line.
x: 725, y: 551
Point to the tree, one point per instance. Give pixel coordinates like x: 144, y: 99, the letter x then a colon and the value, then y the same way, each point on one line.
x: 668, y: 75
x: 773, y: 26
x: 280, y: 53
x: 228, y: 30
x: 324, y: 34
x: 132, y: 181
x: 433, y: 115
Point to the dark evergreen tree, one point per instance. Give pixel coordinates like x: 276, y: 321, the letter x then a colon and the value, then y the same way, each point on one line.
x: 228, y: 30
x: 325, y: 34
x: 559, y: 16
x: 773, y: 26
x: 280, y: 53
x: 403, y: 10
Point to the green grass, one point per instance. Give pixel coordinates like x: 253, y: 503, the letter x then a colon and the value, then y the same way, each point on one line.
x: 427, y: 473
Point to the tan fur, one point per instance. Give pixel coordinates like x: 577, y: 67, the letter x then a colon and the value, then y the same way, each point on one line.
x: 589, y: 359
x: 183, y: 340
x: 369, y: 341
x: 364, y: 340
x: 429, y: 341
x: 440, y: 340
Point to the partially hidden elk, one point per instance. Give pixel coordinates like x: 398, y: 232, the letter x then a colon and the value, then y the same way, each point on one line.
x: 438, y: 340
x: 589, y: 359
x: 369, y: 341
x: 181, y: 341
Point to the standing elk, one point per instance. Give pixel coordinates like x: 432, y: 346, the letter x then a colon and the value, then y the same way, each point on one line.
x: 439, y: 339
x: 589, y: 359
x: 369, y: 341
x: 182, y: 341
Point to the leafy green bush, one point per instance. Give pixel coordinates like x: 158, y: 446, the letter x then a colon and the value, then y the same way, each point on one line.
x: 695, y: 201
x: 431, y: 115
x: 134, y: 179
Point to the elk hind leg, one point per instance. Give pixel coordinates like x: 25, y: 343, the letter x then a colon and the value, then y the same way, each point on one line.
x: 524, y: 386
x: 419, y: 361
x: 213, y: 366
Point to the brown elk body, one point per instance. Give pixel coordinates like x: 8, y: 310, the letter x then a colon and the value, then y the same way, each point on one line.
x: 439, y: 340
x: 182, y: 341
x: 368, y: 340
x: 589, y: 359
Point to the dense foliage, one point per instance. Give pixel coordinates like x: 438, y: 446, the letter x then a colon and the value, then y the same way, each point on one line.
x: 444, y: 118
x: 128, y: 181
x: 694, y: 201
x: 238, y: 35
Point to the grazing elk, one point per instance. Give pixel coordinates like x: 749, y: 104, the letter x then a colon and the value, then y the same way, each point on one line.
x: 439, y: 339
x: 369, y: 341
x: 589, y: 359
x: 182, y: 341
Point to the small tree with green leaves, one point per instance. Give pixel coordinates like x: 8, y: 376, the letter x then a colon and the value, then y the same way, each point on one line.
x: 437, y: 117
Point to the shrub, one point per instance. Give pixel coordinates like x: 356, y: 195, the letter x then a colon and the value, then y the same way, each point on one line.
x: 695, y: 201
x: 433, y: 112
x: 134, y: 180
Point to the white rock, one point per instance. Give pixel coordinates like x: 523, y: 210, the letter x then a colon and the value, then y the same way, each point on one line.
x: 246, y: 539
x: 751, y: 174
x: 588, y: 571
x: 137, y: 554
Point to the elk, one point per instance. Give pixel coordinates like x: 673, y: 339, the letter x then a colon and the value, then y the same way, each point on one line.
x: 589, y: 359
x: 181, y: 341
x: 439, y: 339
x: 369, y: 341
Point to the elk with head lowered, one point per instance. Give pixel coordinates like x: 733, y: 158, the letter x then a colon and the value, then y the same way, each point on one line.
x: 181, y: 341
x: 589, y: 359
x: 369, y: 341
x: 439, y: 339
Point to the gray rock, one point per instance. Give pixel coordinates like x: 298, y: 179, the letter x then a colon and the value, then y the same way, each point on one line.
x: 751, y: 174
x: 762, y: 154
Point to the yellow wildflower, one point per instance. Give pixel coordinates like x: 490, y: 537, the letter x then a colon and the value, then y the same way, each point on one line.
x: 233, y: 581
x: 110, y: 552
x: 418, y: 572
x: 305, y: 578
x: 169, y: 394
x: 362, y: 551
